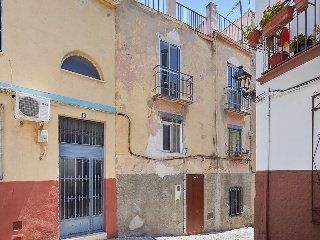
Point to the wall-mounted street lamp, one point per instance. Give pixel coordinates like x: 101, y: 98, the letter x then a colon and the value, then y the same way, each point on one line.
x: 244, y: 79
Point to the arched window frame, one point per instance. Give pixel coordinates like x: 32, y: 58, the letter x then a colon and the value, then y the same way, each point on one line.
x: 89, y: 60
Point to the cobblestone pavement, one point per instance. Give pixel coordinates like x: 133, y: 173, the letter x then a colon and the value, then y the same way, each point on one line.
x: 236, y: 234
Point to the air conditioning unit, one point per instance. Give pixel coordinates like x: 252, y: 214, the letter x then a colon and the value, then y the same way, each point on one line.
x: 32, y: 108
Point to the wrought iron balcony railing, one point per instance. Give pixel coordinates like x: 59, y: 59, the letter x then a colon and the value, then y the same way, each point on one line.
x: 299, y: 35
x: 173, y: 85
x: 237, y: 101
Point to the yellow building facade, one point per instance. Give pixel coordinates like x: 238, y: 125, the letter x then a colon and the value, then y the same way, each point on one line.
x: 57, y: 114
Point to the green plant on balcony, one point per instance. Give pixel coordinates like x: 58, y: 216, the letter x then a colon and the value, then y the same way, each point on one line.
x: 274, y: 18
x: 252, y: 34
x: 317, y: 32
x: 270, y: 12
x: 298, y: 43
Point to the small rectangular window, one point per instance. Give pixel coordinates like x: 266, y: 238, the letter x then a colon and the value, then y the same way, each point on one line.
x: 234, y: 141
x: 236, y: 201
x: 171, y: 135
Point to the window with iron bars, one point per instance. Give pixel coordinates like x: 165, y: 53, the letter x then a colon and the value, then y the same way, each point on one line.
x: 234, y: 140
x: 236, y: 201
x: 80, y: 131
x: 171, y: 135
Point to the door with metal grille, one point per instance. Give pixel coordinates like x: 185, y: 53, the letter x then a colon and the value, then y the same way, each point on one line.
x: 80, y: 176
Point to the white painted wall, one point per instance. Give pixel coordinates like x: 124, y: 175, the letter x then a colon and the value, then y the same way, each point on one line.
x: 287, y: 144
x: 290, y: 121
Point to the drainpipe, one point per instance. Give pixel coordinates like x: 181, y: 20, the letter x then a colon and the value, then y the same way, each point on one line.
x: 171, y: 8
x: 211, y: 18
x: 1, y: 140
x: 267, y: 182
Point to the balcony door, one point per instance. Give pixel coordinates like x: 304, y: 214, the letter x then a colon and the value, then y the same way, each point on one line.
x: 169, y: 69
x: 233, y: 91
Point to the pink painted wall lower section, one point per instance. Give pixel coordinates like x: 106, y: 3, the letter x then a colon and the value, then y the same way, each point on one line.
x: 110, y: 206
x: 286, y: 213
x: 35, y: 204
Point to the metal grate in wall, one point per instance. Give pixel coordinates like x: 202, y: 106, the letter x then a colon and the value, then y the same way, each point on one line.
x: 236, y: 201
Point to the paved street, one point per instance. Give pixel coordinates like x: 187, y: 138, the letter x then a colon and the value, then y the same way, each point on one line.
x: 237, y: 234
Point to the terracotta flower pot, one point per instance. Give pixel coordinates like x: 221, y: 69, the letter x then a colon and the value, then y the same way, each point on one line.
x: 253, y: 38
x: 277, y: 58
x: 301, y: 5
x: 278, y: 21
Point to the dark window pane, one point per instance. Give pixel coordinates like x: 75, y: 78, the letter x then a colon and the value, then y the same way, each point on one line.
x: 175, y: 138
x: 164, y: 54
x: 81, y: 65
x: 174, y: 58
x: 166, y: 137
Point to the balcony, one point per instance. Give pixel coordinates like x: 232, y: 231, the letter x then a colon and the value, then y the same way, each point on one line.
x: 303, y: 35
x: 173, y: 85
x: 237, y: 101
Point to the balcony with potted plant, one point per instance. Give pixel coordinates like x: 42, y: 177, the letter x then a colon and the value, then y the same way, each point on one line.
x: 291, y: 36
x: 252, y: 34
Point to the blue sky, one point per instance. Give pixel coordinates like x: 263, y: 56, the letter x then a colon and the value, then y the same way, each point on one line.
x: 223, y: 6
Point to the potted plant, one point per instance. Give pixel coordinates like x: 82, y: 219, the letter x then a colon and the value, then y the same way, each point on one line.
x: 275, y: 18
x: 298, y: 43
x: 301, y: 5
x: 252, y: 34
x: 277, y: 58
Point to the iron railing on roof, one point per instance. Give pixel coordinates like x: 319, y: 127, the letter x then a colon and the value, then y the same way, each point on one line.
x: 229, y: 29
x: 172, y: 84
x: 299, y: 35
x: 195, y: 20
x: 158, y: 5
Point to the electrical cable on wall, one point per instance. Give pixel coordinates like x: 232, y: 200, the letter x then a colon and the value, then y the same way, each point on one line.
x: 263, y: 95
x: 204, y: 157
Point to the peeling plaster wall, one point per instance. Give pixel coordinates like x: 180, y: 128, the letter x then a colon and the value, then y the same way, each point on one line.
x: 146, y: 185
x: 148, y: 206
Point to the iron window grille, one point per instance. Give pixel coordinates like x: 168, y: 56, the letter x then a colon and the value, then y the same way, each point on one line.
x: 234, y: 141
x: 236, y: 201
x: 80, y: 131
x: 171, y: 135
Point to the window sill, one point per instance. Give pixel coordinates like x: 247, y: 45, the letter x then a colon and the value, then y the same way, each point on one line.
x: 242, y: 113
x: 235, y: 157
x: 84, y: 76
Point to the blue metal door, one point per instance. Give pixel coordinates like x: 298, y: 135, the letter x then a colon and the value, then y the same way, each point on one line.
x: 81, y: 154
x: 81, y: 189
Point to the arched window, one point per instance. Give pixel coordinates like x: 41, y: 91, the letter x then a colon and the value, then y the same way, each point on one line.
x: 80, y: 65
